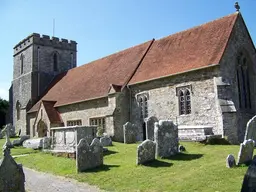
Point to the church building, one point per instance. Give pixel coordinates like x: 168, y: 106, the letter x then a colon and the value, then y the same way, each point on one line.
x: 201, y: 77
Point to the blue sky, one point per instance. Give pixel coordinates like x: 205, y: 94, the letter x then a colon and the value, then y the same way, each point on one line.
x: 102, y: 27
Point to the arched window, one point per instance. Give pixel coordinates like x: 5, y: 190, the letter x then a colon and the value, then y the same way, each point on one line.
x: 21, y: 63
x: 184, y: 101
x: 55, y: 62
x: 18, y: 110
x: 243, y: 82
x: 143, y: 104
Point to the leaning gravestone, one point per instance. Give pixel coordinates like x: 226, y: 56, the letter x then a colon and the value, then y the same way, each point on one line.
x: 146, y: 152
x: 250, y: 132
x: 88, y: 156
x: 130, y: 133
x: 12, y: 177
x: 166, y: 138
x: 7, y: 135
x: 249, y: 182
x: 150, y: 124
x: 230, y: 161
x: 246, y: 152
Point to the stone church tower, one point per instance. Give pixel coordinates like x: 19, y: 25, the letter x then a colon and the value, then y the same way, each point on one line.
x: 37, y: 60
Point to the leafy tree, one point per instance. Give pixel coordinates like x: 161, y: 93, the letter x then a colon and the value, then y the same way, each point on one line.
x: 4, y: 105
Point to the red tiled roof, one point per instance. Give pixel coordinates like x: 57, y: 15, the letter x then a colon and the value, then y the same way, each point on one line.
x: 93, y: 80
x: 52, y: 113
x: 198, y: 47
x: 195, y: 48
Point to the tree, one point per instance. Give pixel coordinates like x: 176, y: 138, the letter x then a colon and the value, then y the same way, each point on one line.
x: 4, y: 105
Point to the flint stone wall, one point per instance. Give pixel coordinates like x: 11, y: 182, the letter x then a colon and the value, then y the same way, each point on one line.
x: 89, y: 156
x: 246, y: 152
x: 250, y: 132
x: 146, y: 152
x: 166, y: 138
x: 131, y: 132
x: 12, y: 177
x: 150, y: 125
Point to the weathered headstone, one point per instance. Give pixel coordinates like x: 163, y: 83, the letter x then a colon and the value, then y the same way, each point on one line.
x: 166, y: 138
x: 33, y: 143
x: 12, y: 177
x: 88, y: 156
x: 249, y: 182
x: 8, y: 142
x: 150, y: 125
x: 130, y: 133
x: 246, y: 152
x: 146, y: 152
x: 250, y: 132
x: 230, y: 161
x: 46, y: 143
x: 106, y: 141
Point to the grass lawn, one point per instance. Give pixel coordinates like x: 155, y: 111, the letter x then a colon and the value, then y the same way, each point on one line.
x: 201, y: 168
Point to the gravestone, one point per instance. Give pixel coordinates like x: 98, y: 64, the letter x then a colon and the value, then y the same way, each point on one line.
x: 46, y: 143
x: 36, y: 143
x: 106, y: 141
x: 130, y: 133
x: 146, y: 152
x: 246, y: 152
x: 150, y: 125
x: 249, y: 182
x: 18, y: 142
x: 230, y: 161
x: 12, y: 177
x: 166, y: 138
x: 88, y: 156
x: 250, y: 132
x: 8, y: 142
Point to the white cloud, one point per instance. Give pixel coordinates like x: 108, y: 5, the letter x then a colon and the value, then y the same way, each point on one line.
x: 4, y: 94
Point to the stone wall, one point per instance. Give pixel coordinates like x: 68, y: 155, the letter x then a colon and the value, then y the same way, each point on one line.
x: 234, y: 124
x: 163, y: 100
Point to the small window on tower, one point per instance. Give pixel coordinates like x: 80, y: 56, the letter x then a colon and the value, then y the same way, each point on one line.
x: 55, y: 62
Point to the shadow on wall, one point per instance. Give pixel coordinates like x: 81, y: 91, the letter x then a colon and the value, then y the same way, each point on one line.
x: 156, y: 163
x: 101, y: 168
x: 185, y: 157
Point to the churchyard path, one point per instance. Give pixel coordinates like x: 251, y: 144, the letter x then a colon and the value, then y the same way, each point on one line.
x: 45, y: 182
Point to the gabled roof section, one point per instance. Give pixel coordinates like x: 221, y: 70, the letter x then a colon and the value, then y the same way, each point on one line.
x: 52, y: 113
x: 92, y: 80
x: 195, y: 48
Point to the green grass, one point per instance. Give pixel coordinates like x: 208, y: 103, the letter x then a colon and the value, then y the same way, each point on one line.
x: 201, y: 168
x: 16, y: 150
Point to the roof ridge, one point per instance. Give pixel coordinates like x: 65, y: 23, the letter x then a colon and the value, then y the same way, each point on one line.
x: 198, y: 26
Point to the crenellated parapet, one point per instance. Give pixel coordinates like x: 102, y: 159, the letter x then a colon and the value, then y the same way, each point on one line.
x: 44, y: 40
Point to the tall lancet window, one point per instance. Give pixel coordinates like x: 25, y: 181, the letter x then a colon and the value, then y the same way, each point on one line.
x: 184, y: 95
x: 55, y: 62
x: 71, y: 61
x: 21, y: 63
x: 18, y: 110
x: 143, y: 104
x: 243, y: 82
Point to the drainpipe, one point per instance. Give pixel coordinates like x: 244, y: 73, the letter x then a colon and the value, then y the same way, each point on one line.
x: 130, y: 103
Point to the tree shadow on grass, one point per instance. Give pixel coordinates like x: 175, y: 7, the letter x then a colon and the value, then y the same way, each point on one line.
x: 101, y: 168
x: 185, y: 157
x: 156, y: 163
x: 109, y: 152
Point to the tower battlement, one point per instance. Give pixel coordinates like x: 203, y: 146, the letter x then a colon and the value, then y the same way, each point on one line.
x: 44, y: 40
